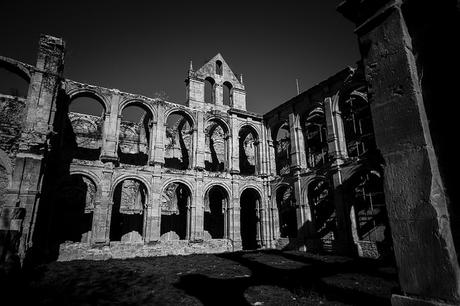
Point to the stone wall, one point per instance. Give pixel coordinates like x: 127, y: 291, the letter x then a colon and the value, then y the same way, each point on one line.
x: 84, y: 251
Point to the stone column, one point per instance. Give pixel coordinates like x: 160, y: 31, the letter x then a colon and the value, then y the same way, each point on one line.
x: 271, y: 153
x: 235, y: 208
x: 155, y: 221
x: 152, y: 142
x: 414, y: 192
x: 198, y: 212
x: 200, y: 142
x: 235, y: 145
x: 337, y: 146
x: 298, y: 155
x: 159, y: 145
x: 103, y: 211
x: 110, y: 132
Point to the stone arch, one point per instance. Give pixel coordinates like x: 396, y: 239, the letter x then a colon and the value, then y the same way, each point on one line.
x: 138, y: 102
x: 250, y: 203
x: 217, y: 146
x: 130, y: 200
x: 176, y: 200
x: 89, y: 93
x: 17, y: 77
x: 251, y: 186
x: 92, y: 176
x: 248, y: 150
x: 16, y: 67
x: 135, y: 131
x: 184, y: 112
x: 123, y: 177
x: 179, y: 139
x: 216, y: 206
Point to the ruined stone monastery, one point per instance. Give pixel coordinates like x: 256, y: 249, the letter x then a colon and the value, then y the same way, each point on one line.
x: 207, y: 176
x: 329, y: 170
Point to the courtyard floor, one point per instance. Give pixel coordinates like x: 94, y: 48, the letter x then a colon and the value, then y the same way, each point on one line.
x: 241, y: 278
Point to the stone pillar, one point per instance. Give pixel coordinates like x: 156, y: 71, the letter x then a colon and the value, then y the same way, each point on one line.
x: 200, y: 143
x: 235, y: 145
x: 416, y: 201
x: 219, y: 94
x: 110, y: 132
x: 198, y: 211
x: 337, y: 146
x: 271, y: 153
x: 103, y: 210
x: 235, y: 207
x: 298, y: 155
x: 37, y: 127
x: 159, y: 145
x: 300, y: 212
x: 155, y: 222
x: 152, y: 142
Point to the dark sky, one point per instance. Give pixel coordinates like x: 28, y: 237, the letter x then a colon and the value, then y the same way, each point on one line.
x: 145, y: 46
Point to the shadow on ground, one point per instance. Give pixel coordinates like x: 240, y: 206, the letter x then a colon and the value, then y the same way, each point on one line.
x: 241, y: 278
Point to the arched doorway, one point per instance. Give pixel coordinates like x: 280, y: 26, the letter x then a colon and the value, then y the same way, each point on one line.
x: 215, y: 213
x: 175, y: 204
x: 129, y: 202
x: 249, y: 220
x: 286, y: 212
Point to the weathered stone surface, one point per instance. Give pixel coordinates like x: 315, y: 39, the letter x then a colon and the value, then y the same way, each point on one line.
x: 79, y: 251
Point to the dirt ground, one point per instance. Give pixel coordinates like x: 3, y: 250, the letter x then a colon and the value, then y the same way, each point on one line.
x: 241, y: 278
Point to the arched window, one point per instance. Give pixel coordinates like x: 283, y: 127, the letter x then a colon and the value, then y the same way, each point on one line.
x: 323, y: 212
x: 209, y: 95
x: 248, y: 149
x: 216, y: 151
x: 134, y: 135
x: 228, y: 94
x: 86, y: 114
x: 283, y: 149
x: 316, y: 138
x: 357, y: 122
x: 129, y: 203
x: 175, y: 203
x: 219, y: 67
x: 369, y: 206
x: 286, y: 212
x: 179, y: 140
